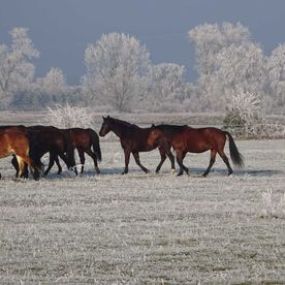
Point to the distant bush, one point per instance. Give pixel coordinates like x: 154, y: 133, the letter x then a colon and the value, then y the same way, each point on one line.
x: 244, y: 116
x: 66, y: 116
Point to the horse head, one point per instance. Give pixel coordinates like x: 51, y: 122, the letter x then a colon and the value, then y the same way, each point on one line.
x: 106, y: 126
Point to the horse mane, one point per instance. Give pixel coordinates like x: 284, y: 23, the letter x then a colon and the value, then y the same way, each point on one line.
x: 171, y: 127
x: 124, y: 123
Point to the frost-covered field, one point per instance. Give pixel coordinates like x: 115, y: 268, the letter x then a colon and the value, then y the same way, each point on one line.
x: 147, y: 228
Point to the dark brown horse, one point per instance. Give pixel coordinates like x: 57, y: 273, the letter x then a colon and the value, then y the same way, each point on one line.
x: 185, y: 139
x: 56, y: 142
x: 14, y: 141
x: 86, y: 141
x: 48, y: 139
x: 135, y: 139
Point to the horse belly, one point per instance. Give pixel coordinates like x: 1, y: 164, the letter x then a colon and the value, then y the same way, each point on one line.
x: 197, y: 147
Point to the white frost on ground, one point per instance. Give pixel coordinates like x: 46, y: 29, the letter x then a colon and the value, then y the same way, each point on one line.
x: 147, y: 228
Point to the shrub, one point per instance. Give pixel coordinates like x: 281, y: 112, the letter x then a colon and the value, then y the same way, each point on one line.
x: 67, y: 116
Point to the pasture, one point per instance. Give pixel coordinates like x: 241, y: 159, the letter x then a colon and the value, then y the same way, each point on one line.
x: 147, y: 228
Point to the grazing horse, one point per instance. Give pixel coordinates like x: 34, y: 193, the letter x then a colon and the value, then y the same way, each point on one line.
x: 14, y: 141
x: 84, y: 140
x: 135, y: 139
x: 185, y: 139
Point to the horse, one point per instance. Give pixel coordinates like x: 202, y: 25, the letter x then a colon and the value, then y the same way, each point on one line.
x: 57, y: 142
x: 185, y: 139
x: 49, y: 139
x: 14, y: 141
x: 81, y: 139
x: 84, y: 140
x: 134, y: 140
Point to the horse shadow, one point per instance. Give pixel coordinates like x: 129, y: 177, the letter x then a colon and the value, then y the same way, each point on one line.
x: 238, y: 172
x: 195, y: 171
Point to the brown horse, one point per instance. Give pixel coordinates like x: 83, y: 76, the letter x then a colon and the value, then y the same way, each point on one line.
x: 135, y: 139
x: 185, y: 139
x: 59, y: 141
x: 84, y: 140
x: 14, y: 141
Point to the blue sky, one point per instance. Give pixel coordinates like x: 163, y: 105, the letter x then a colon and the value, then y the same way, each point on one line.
x: 62, y: 29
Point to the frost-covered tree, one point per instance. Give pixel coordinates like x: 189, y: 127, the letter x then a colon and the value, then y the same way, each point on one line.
x: 54, y: 82
x: 167, y: 84
x: 228, y: 63
x: 276, y: 76
x: 240, y: 69
x: 210, y: 39
x: 16, y: 67
x: 117, y: 66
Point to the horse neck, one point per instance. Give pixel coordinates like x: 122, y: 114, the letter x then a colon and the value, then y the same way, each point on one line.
x: 117, y: 128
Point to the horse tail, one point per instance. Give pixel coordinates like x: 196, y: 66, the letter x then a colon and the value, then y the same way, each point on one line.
x: 95, y: 144
x: 236, y: 156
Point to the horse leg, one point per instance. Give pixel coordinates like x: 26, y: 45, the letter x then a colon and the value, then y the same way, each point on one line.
x: 179, y: 157
x: 21, y: 165
x: 226, y: 161
x: 51, y: 162
x: 66, y: 161
x: 212, y: 161
x: 25, y: 173
x: 127, y: 160
x: 162, y: 159
x: 16, y: 165
x: 27, y: 161
x: 82, y: 160
x: 58, y: 164
x: 94, y: 157
x: 137, y: 159
x: 171, y: 158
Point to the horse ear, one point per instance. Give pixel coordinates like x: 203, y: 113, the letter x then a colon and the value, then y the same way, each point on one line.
x: 103, y: 118
x: 108, y: 117
x: 153, y: 125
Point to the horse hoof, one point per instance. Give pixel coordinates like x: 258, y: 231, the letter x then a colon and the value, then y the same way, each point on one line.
x: 180, y: 174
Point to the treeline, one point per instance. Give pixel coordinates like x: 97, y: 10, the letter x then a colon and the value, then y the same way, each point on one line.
x: 234, y: 76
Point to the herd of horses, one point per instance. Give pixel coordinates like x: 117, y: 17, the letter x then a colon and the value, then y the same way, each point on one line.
x: 29, y: 144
